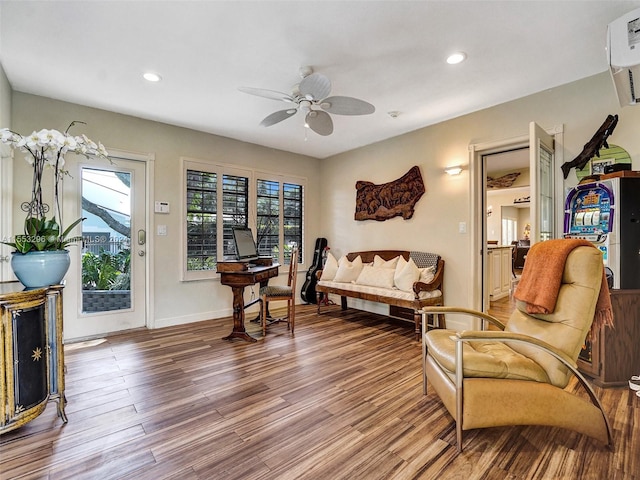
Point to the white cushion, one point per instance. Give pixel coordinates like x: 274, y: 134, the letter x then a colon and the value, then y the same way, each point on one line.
x: 378, y: 261
x: 406, y: 274
x: 348, y: 271
x: 330, y: 268
x: 427, y: 274
x: 376, y: 277
x: 381, y: 292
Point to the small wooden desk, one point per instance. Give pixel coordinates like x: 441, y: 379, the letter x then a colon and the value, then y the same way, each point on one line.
x: 238, y: 275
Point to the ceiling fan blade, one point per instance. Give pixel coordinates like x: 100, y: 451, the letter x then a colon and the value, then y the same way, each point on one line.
x: 320, y: 122
x: 277, y: 117
x: 315, y: 86
x: 271, y: 94
x: 347, y: 106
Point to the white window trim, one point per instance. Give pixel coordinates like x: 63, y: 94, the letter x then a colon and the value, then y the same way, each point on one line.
x: 6, y: 211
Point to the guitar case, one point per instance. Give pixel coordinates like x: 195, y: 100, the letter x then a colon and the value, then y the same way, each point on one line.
x: 308, y: 292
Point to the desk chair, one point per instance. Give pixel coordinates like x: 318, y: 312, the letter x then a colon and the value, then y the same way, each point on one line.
x: 271, y: 293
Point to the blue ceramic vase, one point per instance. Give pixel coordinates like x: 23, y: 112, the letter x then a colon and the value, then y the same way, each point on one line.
x: 40, y: 269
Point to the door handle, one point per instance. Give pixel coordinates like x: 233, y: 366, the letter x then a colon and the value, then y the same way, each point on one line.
x: 142, y: 237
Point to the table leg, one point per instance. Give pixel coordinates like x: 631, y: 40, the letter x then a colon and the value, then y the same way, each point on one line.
x: 238, y: 317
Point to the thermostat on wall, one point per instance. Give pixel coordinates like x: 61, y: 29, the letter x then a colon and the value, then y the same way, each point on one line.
x: 162, y: 207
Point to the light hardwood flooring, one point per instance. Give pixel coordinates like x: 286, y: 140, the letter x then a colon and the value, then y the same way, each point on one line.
x: 340, y: 400
x: 502, y: 309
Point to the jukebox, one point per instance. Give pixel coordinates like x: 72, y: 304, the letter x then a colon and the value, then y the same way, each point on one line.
x: 607, y: 214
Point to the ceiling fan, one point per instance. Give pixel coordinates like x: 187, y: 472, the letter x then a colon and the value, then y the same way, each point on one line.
x: 311, y: 98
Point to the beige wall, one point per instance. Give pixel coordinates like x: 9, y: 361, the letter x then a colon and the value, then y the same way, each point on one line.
x: 502, y: 199
x: 173, y: 301
x: 580, y: 106
x: 5, y: 99
x: 5, y: 176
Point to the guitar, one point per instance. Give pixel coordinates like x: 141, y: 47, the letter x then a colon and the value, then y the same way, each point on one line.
x: 308, y: 292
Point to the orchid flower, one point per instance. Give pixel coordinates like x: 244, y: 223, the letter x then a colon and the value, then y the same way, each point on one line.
x: 47, y: 148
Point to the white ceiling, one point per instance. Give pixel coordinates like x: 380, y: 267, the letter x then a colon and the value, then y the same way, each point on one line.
x: 508, y: 161
x: 389, y: 53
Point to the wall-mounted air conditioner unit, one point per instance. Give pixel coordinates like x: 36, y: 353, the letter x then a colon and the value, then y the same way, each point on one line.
x: 623, y: 50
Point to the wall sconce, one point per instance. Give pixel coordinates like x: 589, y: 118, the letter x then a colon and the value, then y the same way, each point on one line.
x: 453, y: 170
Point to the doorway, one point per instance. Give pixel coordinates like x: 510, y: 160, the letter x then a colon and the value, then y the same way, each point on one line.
x: 479, y: 155
x: 109, y: 291
x: 507, y: 222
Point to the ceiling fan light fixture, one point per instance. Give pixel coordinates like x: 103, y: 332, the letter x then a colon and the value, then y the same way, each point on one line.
x: 456, y: 57
x: 305, y: 106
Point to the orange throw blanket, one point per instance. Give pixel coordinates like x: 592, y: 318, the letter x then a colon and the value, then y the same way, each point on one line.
x: 542, y: 276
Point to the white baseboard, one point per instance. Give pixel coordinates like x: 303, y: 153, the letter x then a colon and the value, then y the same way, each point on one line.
x: 196, y: 317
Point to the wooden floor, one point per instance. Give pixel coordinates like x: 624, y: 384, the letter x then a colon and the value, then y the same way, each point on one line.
x: 341, y: 400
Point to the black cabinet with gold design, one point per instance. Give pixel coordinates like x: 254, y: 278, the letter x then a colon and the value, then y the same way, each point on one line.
x: 31, y: 353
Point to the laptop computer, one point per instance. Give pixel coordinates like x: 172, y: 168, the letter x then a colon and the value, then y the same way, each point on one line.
x: 245, y: 245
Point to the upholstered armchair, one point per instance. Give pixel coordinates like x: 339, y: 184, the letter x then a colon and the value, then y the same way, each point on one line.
x: 518, y: 375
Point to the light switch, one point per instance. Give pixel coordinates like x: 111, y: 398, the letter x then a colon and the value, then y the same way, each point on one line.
x: 462, y: 227
x: 161, y: 230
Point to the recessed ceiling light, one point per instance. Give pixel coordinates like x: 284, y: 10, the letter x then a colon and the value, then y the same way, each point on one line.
x: 152, y: 77
x: 456, y: 57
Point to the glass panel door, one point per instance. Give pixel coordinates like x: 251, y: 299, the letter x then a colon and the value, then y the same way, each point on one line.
x: 110, y: 285
x: 541, y: 151
x: 106, y: 233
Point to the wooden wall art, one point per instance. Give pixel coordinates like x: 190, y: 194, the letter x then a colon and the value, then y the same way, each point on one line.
x: 388, y: 200
x: 504, y: 181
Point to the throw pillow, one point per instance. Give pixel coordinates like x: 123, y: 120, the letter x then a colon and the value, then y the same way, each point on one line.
x: 406, y: 274
x: 378, y: 261
x: 348, y: 271
x: 330, y: 268
x: 376, y: 277
x: 427, y: 274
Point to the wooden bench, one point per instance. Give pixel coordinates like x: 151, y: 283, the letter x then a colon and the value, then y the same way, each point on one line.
x: 423, y: 294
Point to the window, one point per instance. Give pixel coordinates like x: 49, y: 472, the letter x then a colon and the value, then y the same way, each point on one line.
x: 268, y: 218
x: 509, y: 230
x: 235, y: 208
x: 273, y: 209
x: 292, y: 217
x: 201, y: 220
x: 279, y: 218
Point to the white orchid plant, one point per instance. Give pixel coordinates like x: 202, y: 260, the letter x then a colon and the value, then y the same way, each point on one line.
x: 47, y: 149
